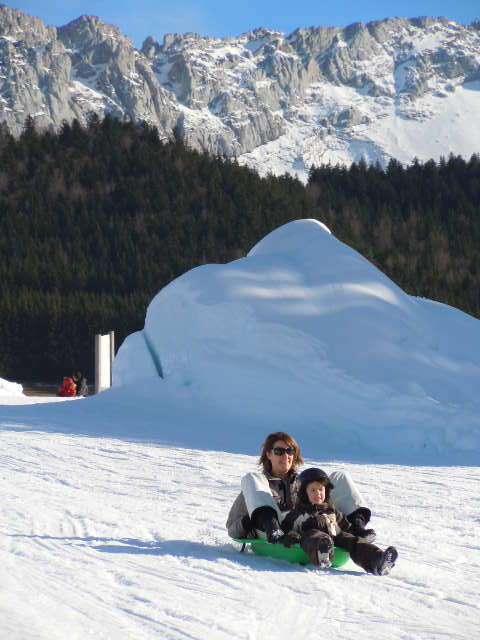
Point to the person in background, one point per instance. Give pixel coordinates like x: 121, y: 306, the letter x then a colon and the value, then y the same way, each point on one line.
x: 320, y: 527
x: 269, y: 494
x: 81, y: 382
x: 68, y: 388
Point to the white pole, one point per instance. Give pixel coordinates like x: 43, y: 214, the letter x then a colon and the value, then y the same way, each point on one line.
x: 112, y: 354
x: 97, y: 363
x: 104, y: 354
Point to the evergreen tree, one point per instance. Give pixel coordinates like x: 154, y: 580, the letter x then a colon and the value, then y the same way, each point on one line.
x: 95, y: 220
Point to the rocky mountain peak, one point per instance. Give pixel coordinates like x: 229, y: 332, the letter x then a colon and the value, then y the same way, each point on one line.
x: 390, y: 88
x: 177, y: 42
x: 150, y: 47
x: 18, y: 26
x: 89, y: 31
x: 262, y: 33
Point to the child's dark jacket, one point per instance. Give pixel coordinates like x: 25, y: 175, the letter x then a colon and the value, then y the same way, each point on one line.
x: 315, y: 522
x: 321, y: 517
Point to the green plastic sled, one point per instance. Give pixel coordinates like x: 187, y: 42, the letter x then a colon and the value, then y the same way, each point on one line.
x: 294, y: 554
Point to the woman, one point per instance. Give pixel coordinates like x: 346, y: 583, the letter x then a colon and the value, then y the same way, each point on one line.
x: 268, y: 495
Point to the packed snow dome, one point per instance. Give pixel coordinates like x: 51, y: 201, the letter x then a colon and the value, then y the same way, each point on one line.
x: 305, y: 334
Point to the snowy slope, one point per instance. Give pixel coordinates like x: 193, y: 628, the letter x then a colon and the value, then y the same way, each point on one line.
x: 106, y: 538
x: 431, y: 126
x: 306, y: 334
x: 113, y: 507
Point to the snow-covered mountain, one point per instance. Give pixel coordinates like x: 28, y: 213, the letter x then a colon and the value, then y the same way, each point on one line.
x: 395, y: 88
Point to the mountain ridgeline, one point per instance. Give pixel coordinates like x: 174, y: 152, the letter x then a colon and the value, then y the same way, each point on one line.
x: 396, y: 88
x: 95, y: 220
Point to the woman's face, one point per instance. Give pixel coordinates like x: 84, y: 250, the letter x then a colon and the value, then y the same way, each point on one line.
x: 281, y: 464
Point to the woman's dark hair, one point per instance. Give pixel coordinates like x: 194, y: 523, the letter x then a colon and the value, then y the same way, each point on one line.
x: 268, y: 446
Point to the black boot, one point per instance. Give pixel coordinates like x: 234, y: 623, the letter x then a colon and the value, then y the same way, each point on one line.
x: 359, y: 520
x: 385, y: 562
x: 266, y: 519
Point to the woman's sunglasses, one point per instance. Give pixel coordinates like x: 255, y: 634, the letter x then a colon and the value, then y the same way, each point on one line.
x: 280, y: 451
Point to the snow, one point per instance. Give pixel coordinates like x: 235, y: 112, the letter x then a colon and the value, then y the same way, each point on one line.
x: 308, y: 334
x: 84, y: 92
x: 22, y: 399
x: 397, y: 124
x: 432, y: 40
x: 255, y: 45
x: 109, y: 538
x: 162, y: 72
x: 113, y: 508
x: 440, y: 134
x: 10, y: 389
x: 430, y: 127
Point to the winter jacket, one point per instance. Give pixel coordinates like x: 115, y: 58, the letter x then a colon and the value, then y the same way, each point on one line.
x: 321, y: 526
x: 261, y: 489
x: 321, y: 517
x: 82, y: 387
x: 68, y: 388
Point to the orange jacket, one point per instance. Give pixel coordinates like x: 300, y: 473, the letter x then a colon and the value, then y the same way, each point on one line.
x: 68, y: 388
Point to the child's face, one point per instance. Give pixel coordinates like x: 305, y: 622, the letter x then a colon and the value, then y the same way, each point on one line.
x: 316, y: 493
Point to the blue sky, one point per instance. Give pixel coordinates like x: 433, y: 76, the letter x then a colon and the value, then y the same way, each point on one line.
x: 220, y: 18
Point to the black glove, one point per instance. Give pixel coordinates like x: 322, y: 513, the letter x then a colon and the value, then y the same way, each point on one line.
x: 359, y: 520
x: 360, y: 517
x: 266, y: 519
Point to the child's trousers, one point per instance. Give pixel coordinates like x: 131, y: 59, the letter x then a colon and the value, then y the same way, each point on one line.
x: 365, y: 554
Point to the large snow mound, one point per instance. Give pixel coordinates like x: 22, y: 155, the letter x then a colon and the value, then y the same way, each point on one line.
x: 8, y: 389
x: 307, y: 335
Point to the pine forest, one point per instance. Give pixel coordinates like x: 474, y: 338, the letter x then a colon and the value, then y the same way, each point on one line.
x: 95, y: 221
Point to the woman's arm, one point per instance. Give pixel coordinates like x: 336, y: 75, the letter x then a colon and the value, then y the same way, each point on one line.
x: 257, y: 493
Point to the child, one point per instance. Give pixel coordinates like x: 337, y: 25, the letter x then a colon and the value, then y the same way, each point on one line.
x: 321, y: 526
